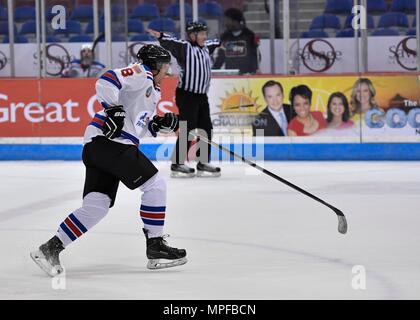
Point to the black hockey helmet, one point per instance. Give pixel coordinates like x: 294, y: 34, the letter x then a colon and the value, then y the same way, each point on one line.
x: 195, y: 26
x: 153, y: 56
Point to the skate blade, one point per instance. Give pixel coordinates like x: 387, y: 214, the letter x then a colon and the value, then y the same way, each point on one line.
x: 155, y: 264
x: 206, y: 174
x: 175, y: 174
x: 39, y: 258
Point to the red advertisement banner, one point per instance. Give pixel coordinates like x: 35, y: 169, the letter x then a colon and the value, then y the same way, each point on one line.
x: 56, y: 107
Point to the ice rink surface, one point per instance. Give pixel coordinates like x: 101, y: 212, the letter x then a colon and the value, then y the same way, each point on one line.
x: 247, y: 236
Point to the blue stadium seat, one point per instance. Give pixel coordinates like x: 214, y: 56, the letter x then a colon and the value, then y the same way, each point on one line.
x: 81, y: 38
x: 376, y: 6
x: 414, y: 22
x: 135, y: 25
x: 173, y: 11
x: 407, y: 6
x: 142, y: 37
x: 210, y: 9
x: 115, y: 38
x: 118, y: 38
x: 53, y: 39
x: 393, y: 19
x: 82, y: 12
x: 339, y: 6
x: 18, y: 39
x: 3, y: 13
x: 145, y: 11
x: 325, y: 21
x: 28, y: 28
x: 163, y: 24
x: 116, y: 27
x: 4, y: 28
x: 346, y: 33
x: 72, y: 27
x: 314, y: 34
x: 117, y: 11
x: 385, y: 32
x: 24, y: 13
x: 411, y: 32
x: 410, y: 6
x: 101, y: 25
x: 369, y: 21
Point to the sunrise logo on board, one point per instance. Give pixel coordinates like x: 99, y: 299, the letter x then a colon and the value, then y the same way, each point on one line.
x: 239, y: 102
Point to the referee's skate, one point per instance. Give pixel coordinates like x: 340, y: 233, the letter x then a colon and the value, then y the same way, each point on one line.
x: 182, y: 171
x: 207, y: 170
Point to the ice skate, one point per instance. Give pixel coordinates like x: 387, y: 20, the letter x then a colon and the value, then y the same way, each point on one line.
x: 47, y: 256
x: 207, y: 170
x: 158, y: 250
x: 182, y: 171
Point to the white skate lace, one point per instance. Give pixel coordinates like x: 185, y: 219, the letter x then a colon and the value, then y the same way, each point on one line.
x: 164, y: 237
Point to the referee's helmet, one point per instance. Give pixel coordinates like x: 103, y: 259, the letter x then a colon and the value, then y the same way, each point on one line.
x: 195, y: 26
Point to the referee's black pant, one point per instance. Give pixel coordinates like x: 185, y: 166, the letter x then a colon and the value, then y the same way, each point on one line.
x: 195, y: 110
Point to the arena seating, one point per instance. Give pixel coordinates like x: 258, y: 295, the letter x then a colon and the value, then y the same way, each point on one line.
x: 146, y: 12
x: 383, y: 18
x: 24, y: 13
x: 28, y: 28
x: 163, y: 24
x: 18, y: 39
x: 210, y: 9
x: 326, y: 21
x: 142, y: 37
x: 314, y: 34
x: 81, y: 38
x: 82, y: 13
x: 173, y: 11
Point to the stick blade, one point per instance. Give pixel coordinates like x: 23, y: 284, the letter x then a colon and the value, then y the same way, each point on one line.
x: 342, y: 224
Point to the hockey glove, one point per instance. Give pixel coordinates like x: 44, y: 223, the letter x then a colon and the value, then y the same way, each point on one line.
x: 114, y: 122
x: 166, y: 124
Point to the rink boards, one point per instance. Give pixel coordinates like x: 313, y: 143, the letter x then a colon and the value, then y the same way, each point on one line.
x: 44, y: 119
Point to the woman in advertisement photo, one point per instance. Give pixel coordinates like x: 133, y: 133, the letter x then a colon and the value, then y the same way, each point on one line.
x: 306, y: 122
x: 338, y: 112
x: 362, y: 99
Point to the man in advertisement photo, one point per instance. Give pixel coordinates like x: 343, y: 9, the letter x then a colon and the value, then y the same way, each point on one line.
x: 275, y: 118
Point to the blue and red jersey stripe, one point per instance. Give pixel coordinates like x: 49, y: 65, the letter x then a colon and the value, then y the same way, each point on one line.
x: 111, y: 77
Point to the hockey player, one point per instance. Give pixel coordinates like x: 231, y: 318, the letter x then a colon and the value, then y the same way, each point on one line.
x: 110, y: 154
x: 84, y: 67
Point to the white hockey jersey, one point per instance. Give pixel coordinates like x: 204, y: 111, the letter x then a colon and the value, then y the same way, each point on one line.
x: 133, y: 88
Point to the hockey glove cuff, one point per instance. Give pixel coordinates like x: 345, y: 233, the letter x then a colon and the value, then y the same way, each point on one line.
x: 166, y: 124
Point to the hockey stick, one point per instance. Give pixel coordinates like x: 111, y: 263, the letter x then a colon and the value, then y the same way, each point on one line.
x: 342, y: 222
x: 94, y: 44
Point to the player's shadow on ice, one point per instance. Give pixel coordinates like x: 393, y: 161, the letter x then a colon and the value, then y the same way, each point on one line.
x: 89, y: 271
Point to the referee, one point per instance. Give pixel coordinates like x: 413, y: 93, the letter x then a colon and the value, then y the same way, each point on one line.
x: 193, y: 57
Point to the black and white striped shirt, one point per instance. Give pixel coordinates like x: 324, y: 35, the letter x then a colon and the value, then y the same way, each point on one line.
x: 194, y: 62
